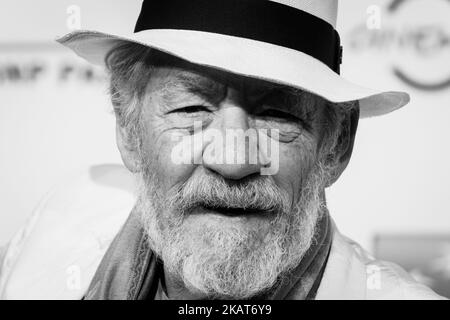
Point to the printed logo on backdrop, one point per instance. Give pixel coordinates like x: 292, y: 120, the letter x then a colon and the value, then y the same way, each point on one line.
x: 414, y: 37
x: 34, y: 63
x: 30, y: 64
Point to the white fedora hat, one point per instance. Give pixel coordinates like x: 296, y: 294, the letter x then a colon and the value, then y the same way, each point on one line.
x: 290, y: 42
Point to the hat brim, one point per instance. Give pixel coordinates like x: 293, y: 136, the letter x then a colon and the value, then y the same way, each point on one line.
x: 244, y: 57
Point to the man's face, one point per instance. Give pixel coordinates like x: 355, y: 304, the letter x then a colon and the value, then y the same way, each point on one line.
x: 221, y: 227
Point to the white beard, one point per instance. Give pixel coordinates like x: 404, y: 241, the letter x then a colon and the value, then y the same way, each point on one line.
x: 227, y: 260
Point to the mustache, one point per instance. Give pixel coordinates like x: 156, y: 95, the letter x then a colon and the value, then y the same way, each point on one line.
x: 258, y: 193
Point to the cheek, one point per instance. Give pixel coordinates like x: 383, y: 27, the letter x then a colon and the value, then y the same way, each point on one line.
x: 158, y: 149
x: 296, y: 162
x: 158, y: 145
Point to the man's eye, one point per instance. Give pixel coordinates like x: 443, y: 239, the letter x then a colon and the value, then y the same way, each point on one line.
x: 190, y: 109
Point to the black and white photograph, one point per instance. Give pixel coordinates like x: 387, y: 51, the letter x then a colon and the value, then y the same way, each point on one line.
x: 244, y: 150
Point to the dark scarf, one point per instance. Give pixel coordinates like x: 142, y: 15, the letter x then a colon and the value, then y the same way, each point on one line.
x: 131, y: 271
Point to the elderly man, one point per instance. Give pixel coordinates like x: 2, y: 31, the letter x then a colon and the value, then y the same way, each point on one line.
x: 235, y: 119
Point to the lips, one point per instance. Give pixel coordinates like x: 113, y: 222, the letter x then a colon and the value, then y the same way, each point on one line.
x: 235, y: 211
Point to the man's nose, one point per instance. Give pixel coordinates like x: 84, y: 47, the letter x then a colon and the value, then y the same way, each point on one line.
x: 233, y: 150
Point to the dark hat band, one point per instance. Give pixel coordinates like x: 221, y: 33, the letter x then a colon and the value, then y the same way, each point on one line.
x: 265, y: 21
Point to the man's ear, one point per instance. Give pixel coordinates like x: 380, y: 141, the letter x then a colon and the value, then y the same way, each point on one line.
x: 128, y: 152
x: 344, y: 147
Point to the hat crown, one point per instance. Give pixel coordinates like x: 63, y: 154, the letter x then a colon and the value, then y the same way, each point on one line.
x: 323, y: 9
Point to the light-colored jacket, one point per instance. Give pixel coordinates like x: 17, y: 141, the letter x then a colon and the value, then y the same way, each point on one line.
x: 57, y: 253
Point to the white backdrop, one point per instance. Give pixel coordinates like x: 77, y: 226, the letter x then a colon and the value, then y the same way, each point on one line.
x: 396, y: 181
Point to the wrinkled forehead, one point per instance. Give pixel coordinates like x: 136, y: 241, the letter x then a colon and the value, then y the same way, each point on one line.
x: 196, y: 77
x: 209, y: 84
x: 174, y: 84
x: 172, y: 79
